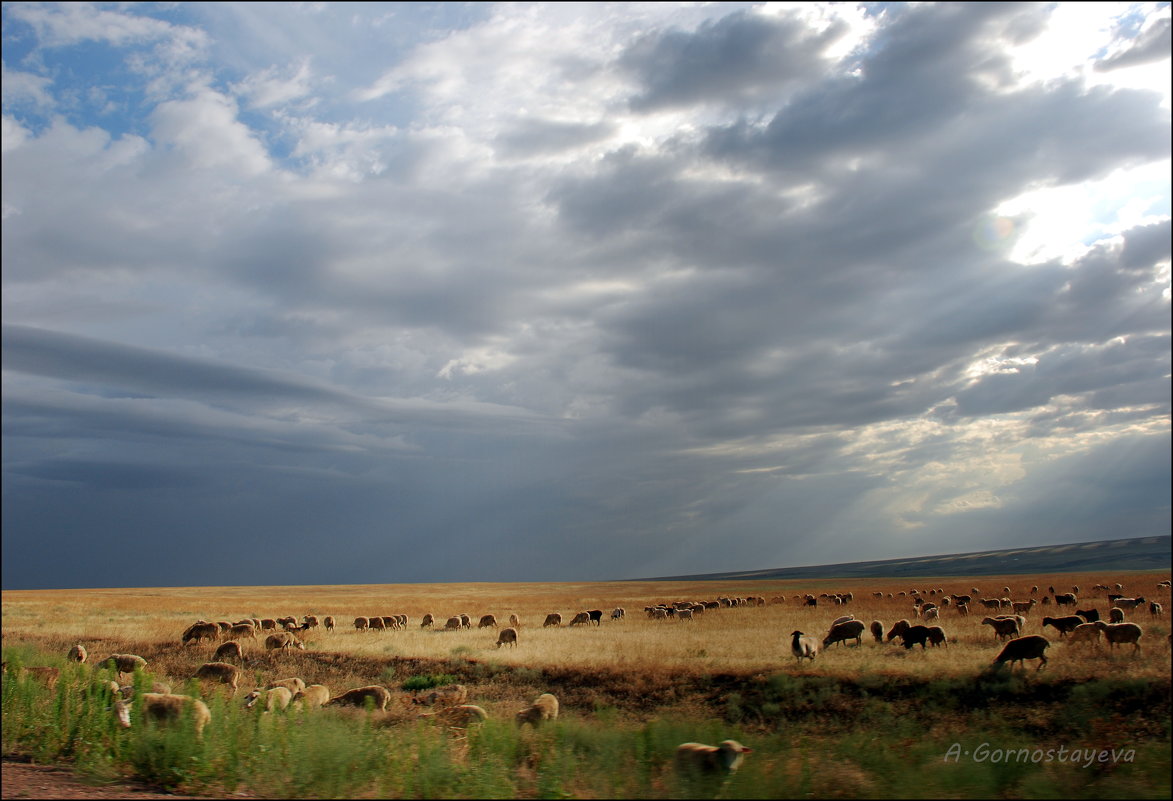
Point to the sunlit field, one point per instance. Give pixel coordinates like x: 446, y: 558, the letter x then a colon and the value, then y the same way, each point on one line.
x: 639, y: 685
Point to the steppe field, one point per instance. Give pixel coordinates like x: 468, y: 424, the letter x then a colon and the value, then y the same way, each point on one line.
x: 875, y: 720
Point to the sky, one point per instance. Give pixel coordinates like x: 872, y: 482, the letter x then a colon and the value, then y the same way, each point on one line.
x: 334, y: 293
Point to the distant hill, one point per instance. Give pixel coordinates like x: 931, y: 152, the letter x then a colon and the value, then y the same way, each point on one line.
x: 1139, y: 553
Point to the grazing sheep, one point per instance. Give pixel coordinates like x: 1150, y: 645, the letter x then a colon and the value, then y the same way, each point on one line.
x: 841, y: 619
x: 1115, y: 615
x: 276, y: 699
x: 361, y: 624
x: 515, y: 621
x: 684, y: 614
x: 77, y: 653
x: 544, y: 707
x: 553, y: 619
x: 937, y: 636
x: 124, y: 663
x: 719, y: 760
x: 1032, y: 646
x: 379, y: 697
x: 283, y: 642
x: 803, y: 647
x: 268, y: 624
x: 294, y: 685
x: 1003, y: 626
x: 241, y: 630
x: 166, y: 708
x: 1155, y: 609
x: 915, y: 635
x: 507, y: 637
x: 453, y: 623
x: 428, y: 621
x: 201, y: 631
x: 328, y: 622
x: 1090, y: 615
x: 878, y: 630
x: 580, y: 618
x: 618, y: 613
x: 312, y: 697
x: 1085, y: 632
x: 221, y: 672
x: 1066, y: 599
x: 962, y: 609
x: 1063, y: 624
x: 487, y: 621
x: 931, y: 613
x: 596, y: 616
x: 462, y: 715
x: 376, y: 623
x: 847, y: 630
x: 448, y: 695
x: 1023, y: 607
x: 898, y: 629
x: 1121, y: 634
x: 228, y: 650
x: 402, y: 620
x: 311, y: 622
x: 465, y: 622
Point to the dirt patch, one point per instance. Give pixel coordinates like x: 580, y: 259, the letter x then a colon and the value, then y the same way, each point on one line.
x: 28, y: 780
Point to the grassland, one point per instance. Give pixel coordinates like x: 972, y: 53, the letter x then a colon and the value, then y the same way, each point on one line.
x: 874, y: 721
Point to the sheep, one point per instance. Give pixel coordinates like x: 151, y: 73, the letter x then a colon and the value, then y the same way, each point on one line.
x: 1090, y: 615
x: 841, y: 619
x: 552, y: 619
x: 507, y: 637
x: 402, y: 620
x: 283, y: 642
x: 1155, y: 609
x: 200, y: 631
x: 1063, y: 624
x: 962, y: 609
x: 580, y: 618
x: 486, y: 621
x: 124, y: 663
x: 328, y: 622
x: 241, y: 630
x: 1115, y: 615
x: 462, y: 715
x: 1129, y: 603
x: 1003, y: 626
x: 1023, y: 607
x: 427, y: 621
x: 311, y: 622
x: 937, y: 636
x: 618, y: 613
x: 167, y: 708
x: 596, y: 616
x: 453, y: 623
x: 276, y: 699
x: 1066, y: 599
x: 803, y: 647
x: 915, y: 635
x: 77, y: 654
x: 931, y: 613
x: 684, y: 614
x: 220, y: 672
x: 1121, y: 633
x: 448, y: 695
x: 294, y: 685
x: 719, y: 760
x: 877, y: 631
x: 1085, y: 632
x: 313, y: 696
x: 847, y: 630
x: 465, y: 622
x: 1032, y: 646
x: 268, y: 624
x: 361, y: 624
x: 375, y: 623
x: 898, y: 629
x: 379, y: 697
x: 544, y: 707
x: 228, y: 650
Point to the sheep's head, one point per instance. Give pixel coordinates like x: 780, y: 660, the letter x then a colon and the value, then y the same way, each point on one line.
x: 250, y: 700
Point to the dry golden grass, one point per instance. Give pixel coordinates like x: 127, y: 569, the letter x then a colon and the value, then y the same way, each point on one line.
x: 742, y: 641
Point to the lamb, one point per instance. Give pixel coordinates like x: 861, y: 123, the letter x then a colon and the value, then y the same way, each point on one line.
x: 427, y: 621
x: 507, y: 637
x: 544, y: 707
x: 124, y: 663
x: 721, y: 760
x: 78, y: 653
x: 847, y: 630
x: 294, y: 685
x: 1122, y: 634
x: 486, y: 621
x: 379, y: 697
x: 313, y: 696
x: 937, y: 636
x: 448, y: 695
x: 803, y: 646
x: 553, y: 619
x: 878, y: 630
x: 276, y: 699
x: 220, y: 672
x: 581, y: 617
x: 167, y: 708
x: 1032, y: 646
x: 283, y: 642
x: 228, y: 650
x: 1003, y: 626
x: 1085, y: 632
x: 1063, y: 624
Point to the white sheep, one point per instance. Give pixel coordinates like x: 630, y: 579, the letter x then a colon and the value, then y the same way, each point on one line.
x: 1085, y: 632
x: 294, y: 684
x: 544, y: 707
x: 221, y: 672
x: 78, y: 653
x: 803, y: 647
x: 312, y: 696
x: 276, y: 699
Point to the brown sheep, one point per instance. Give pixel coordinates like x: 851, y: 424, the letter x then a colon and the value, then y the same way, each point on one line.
x: 124, y: 663
x: 1121, y: 633
x: 283, y: 642
x: 328, y: 622
x: 1085, y: 632
x: 241, y: 630
x: 1115, y: 615
x: 1003, y: 626
x: 544, y: 707
x: 847, y: 630
x: 722, y: 760
x: 166, y: 708
x: 427, y: 621
x: 462, y: 715
x: 1032, y: 646
x: 311, y: 697
x: 898, y: 629
x: 878, y: 631
x: 1063, y: 624
x: 78, y: 653
x: 515, y: 621
x: 221, y: 672
x: 553, y: 619
x: 361, y: 624
x: 465, y: 622
x: 453, y: 623
x: 378, y: 696
x: 375, y: 623
x: 228, y: 650
x: 507, y: 637
x: 580, y: 618
x: 937, y: 636
x: 448, y: 695
x: 268, y: 624
x: 201, y: 631
x: 915, y: 635
x: 486, y: 621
